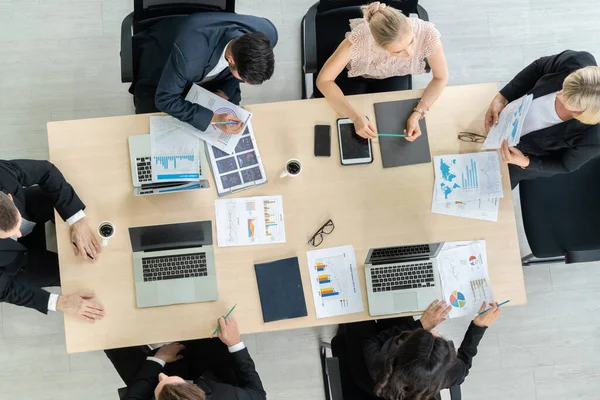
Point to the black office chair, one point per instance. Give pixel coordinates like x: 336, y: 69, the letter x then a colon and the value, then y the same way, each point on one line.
x: 337, y: 377
x: 148, y: 12
x: 561, y: 216
x: 327, y: 20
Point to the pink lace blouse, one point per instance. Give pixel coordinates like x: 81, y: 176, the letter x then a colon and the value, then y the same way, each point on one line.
x: 372, y: 61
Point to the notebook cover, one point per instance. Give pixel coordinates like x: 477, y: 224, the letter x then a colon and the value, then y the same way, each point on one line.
x: 280, y: 289
x: 391, y: 117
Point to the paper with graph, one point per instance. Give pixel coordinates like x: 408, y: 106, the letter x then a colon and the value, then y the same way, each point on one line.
x: 250, y: 220
x: 213, y: 135
x: 464, y: 177
x: 174, y: 152
x: 464, y: 276
x: 484, y: 209
x: 510, y: 124
x: 334, y: 279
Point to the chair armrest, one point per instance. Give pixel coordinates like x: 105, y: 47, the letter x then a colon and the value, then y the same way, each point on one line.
x: 127, y: 49
x: 335, y: 380
x: 309, y: 40
x: 422, y: 13
x: 582, y: 256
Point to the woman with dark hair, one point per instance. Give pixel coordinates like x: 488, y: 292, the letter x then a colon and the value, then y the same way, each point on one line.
x: 403, y: 359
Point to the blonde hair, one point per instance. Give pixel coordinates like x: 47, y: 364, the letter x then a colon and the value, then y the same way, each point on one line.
x: 387, y: 24
x: 581, y: 91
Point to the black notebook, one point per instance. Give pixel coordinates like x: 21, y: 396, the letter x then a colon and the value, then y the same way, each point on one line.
x: 280, y: 289
x: 391, y: 117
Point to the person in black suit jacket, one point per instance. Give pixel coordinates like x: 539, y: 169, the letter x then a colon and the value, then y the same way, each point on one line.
x: 220, y: 370
x: 29, y: 192
x: 401, y: 358
x: 213, y: 49
x: 561, y: 131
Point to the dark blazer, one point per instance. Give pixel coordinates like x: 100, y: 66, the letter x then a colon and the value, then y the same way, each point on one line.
x: 15, y: 176
x: 376, y: 348
x: 250, y: 386
x: 564, y: 147
x: 197, y: 49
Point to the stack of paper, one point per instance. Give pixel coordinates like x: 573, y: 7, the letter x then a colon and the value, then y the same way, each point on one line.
x: 464, y: 276
x: 467, y: 185
x: 510, y: 124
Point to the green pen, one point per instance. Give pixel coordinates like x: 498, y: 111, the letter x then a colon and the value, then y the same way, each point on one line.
x: 392, y: 134
x: 218, y: 328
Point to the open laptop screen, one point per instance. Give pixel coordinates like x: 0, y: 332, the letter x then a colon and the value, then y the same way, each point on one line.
x: 171, y: 236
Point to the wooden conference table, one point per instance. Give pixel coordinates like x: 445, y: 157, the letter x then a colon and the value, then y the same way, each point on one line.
x: 370, y: 206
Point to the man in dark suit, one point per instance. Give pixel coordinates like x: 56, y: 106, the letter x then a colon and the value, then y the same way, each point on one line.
x: 219, y: 370
x: 213, y: 49
x: 29, y: 192
x: 561, y: 130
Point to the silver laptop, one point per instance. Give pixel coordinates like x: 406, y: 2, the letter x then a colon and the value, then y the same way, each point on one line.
x: 173, y: 264
x: 141, y: 170
x: 402, y: 278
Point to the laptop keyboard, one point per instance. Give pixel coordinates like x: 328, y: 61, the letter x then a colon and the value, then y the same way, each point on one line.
x: 144, y: 169
x: 398, y: 277
x: 174, y: 267
x: 400, y: 251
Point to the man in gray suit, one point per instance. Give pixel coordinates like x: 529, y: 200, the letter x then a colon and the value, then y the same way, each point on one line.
x: 215, y: 50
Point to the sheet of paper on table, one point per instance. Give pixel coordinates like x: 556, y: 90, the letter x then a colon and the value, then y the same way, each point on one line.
x: 240, y: 170
x: 334, y: 279
x: 213, y: 135
x: 175, y: 153
x: 464, y: 177
x: 484, y: 209
x: 510, y: 124
x: 250, y: 220
x: 464, y: 275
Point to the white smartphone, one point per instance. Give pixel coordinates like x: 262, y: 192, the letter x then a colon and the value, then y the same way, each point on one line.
x: 353, y: 148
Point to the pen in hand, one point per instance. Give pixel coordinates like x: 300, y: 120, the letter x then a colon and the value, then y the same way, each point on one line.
x: 501, y: 304
x: 218, y: 328
x: 86, y: 253
x: 224, y: 123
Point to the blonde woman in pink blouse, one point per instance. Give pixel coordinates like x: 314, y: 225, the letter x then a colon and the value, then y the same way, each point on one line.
x: 379, y: 48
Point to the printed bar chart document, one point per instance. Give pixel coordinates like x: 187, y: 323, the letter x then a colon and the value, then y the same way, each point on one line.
x: 510, y: 124
x: 334, y: 279
x: 250, y: 220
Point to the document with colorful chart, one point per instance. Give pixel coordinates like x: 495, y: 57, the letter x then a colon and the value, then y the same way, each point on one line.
x: 334, y: 279
x: 510, y: 124
x: 464, y: 276
x: 250, y: 220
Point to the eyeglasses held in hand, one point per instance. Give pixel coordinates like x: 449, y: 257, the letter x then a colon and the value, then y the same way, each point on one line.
x: 326, y: 229
x: 471, y: 137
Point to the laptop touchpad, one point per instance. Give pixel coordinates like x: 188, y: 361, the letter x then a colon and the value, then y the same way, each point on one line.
x: 406, y: 300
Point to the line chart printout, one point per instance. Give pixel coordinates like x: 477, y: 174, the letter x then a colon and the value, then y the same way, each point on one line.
x: 334, y: 279
x: 250, y: 220
x: 464, y: 274
x: 175, y: 153
x: 464, y: 177
x: 213, y: 135
x: 510, y: 124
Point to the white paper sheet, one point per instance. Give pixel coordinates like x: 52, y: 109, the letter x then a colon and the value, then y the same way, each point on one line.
x: 510, y: 124
x: 464, y: 276
x: 242, y: 169
x: 334, y: 279
x: 175, y: 153
x: 213, y: 135
x: 464, y: 177
x: 250, y: 220
x: 484, y: 209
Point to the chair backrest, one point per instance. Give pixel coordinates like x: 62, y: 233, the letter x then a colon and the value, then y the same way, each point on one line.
x: 406, y: 6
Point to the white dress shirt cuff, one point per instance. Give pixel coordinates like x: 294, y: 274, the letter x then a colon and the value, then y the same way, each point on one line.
x: 158, y: 360
x: 52, y: 302
x: 237, y: 347
x: 75, y: 217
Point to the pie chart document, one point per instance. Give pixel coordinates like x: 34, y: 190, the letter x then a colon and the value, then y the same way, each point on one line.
x: 464, y: 276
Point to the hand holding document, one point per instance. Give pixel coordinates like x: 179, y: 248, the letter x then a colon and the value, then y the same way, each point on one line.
x: 509, y: 125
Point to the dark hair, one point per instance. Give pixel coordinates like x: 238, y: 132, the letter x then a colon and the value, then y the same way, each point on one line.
x: 9, y: 214
x: 416, y: 367
x: 253, y: 57
x: 181, y: 391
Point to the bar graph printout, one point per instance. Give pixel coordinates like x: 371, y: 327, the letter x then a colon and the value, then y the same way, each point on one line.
x: 250, y: 220
x: 465, y: 177
x: 334, y: 279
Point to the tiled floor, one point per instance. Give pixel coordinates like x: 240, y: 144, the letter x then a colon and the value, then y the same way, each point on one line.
x: 60, y: 60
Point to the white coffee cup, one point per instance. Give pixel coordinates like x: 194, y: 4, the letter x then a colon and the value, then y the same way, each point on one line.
x: 293, y: 167
x: 106, y: 230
